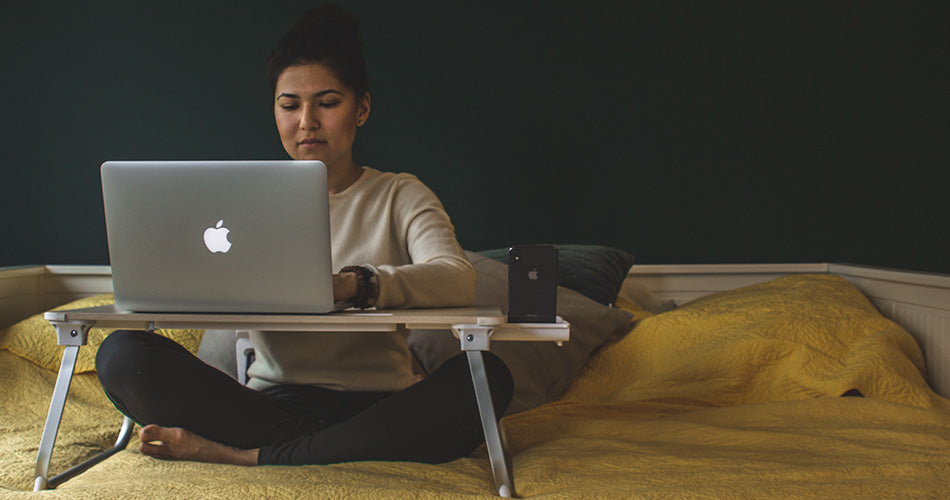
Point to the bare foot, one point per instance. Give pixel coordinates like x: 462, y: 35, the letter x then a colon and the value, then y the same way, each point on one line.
x: 174, y: 443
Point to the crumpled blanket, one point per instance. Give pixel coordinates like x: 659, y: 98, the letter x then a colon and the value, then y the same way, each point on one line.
x: 735, y: 395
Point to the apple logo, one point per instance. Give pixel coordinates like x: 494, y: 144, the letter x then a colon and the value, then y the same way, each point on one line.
x: 533, y: 274
x: 216, y: 238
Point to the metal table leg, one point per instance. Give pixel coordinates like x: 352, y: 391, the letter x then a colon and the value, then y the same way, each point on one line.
x: 474, y: 340
x: 125, y: 434
x: 73, y: 336
x: 63, y: 379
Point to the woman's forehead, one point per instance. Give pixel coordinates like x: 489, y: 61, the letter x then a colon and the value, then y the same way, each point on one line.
x: 307, y: 79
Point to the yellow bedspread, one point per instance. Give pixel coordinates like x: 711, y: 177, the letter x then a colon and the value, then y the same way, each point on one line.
x: 732, y: 396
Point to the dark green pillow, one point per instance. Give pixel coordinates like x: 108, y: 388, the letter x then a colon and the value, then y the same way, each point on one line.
x: 542, y: 371
x: 594, y: 271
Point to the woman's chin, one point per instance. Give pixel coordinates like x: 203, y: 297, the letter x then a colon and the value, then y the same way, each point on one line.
x: 306, y: 155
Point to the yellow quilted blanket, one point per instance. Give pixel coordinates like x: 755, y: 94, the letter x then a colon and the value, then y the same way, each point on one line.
x: 731, y: 396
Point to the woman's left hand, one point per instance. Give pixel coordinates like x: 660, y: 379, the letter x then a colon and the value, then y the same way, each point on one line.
x: 344, y: 286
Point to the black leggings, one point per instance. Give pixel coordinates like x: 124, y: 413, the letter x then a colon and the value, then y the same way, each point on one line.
x: 153, y: 380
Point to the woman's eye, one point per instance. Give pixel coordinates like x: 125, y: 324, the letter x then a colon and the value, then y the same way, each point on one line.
x: 288, y: 107
x: 329, y: 104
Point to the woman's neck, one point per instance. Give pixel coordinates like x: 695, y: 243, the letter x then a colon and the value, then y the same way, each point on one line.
x: 338, y: 179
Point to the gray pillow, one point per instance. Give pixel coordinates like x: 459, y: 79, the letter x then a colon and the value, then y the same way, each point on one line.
x: 542, y: 371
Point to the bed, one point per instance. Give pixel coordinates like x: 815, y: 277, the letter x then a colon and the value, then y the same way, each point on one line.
x: 729, y: 381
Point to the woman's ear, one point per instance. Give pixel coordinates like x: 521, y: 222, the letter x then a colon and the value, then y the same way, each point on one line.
x: 362, y: 109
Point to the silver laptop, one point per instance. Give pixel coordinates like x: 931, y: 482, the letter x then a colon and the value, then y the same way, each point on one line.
x: 219, y: 236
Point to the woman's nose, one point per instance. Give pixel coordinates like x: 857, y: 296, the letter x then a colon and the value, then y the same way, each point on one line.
x: 308, y: 119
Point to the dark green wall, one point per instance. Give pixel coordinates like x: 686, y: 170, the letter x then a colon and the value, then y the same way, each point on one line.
x: 716, y: 132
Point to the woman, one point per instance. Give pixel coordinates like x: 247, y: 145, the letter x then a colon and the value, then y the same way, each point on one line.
x: 324, y: 398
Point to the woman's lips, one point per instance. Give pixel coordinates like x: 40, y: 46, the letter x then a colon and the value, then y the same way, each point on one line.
x: 310, y: 143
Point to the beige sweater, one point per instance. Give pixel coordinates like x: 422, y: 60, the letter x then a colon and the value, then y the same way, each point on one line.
x: 395, y: 225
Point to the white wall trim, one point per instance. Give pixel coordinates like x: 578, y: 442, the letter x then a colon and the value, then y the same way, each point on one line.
x: 681, y: 269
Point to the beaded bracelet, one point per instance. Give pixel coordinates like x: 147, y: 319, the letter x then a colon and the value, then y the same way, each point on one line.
x: 365, y: 285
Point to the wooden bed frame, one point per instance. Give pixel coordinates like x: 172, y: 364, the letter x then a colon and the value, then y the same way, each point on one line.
x: 920, y: 302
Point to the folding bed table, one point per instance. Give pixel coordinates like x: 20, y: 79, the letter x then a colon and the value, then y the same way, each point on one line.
x: 475, y: 328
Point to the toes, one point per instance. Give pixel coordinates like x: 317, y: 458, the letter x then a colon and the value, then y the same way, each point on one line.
x: 150, y: 441
x: 167, y: 435
x: 159, y: 442
x: 150, y: 434
x: 152, y: 450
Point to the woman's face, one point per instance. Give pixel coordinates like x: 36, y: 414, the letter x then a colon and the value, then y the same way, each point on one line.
x: 317, y: 115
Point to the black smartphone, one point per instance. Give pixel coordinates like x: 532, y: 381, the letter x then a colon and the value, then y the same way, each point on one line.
x: 532, y: 284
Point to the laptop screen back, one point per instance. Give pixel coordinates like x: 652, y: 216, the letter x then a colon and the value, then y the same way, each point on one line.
x: 219, y: 236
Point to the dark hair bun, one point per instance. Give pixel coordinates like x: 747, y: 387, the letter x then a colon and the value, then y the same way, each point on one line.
x: 327, y: 35
x: 329, y: 24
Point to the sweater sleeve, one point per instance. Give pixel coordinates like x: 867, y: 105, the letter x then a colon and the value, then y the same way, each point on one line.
x: 439, y: 274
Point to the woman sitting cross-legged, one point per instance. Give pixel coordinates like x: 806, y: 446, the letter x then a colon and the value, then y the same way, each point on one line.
x: 319, y: 398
